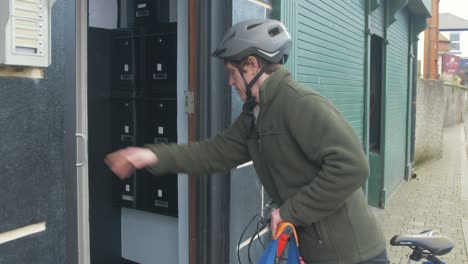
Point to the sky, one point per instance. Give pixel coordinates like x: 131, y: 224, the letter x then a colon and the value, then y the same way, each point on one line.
x: 454, y: 7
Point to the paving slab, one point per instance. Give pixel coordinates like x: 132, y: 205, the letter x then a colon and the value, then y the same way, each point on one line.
x: 464, y: 168
x: 434, y: 200
x: 465, y: 233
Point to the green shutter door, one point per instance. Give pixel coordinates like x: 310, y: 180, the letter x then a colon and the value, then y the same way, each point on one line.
x: 396, y: 101
x: 377, y: 21
x: 328, y: 51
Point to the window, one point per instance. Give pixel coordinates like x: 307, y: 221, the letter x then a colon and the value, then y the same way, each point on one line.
x: 455, y: 41
x: 455, y: 36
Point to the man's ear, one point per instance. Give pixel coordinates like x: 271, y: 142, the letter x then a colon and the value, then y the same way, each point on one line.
x: 253, y: 62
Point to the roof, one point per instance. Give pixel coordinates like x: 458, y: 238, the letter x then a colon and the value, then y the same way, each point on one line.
x: 449, y: 22
x: 442, y: 38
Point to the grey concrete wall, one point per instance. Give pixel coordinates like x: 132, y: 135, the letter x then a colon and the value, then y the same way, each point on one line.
x: 34, y: 147
x: 437, y: 106
x: 430, y: 113
x: 455, y: 104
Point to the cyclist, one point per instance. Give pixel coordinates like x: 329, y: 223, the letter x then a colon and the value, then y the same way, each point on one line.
x: 307, y: 156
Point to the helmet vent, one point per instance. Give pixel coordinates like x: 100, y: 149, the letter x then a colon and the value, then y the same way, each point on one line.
x: 253, y: 26
x: 230, y: 37
x: 273, y: 32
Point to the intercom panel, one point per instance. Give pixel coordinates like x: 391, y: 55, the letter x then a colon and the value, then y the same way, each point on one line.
x: 25, y: 32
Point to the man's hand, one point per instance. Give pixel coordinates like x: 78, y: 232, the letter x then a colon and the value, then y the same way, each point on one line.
x: 124, y: 161
x: 275, y: 221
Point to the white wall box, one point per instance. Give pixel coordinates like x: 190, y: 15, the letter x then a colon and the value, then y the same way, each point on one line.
x: 25, y: 32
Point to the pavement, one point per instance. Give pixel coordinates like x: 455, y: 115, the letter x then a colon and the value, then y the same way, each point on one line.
x: 436, y: 199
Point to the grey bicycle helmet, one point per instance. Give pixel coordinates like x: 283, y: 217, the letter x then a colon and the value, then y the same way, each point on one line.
x: 266, y: 38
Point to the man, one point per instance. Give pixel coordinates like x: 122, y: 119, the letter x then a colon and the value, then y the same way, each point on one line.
x: 306, y: 154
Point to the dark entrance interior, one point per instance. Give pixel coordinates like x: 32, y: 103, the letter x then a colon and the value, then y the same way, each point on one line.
x: 132, y: 90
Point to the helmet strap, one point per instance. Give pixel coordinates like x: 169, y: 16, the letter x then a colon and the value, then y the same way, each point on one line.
x: 250, y: 101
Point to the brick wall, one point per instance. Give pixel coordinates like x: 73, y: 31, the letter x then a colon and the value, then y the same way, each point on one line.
x: 431, y: 43
x: 444, y: 46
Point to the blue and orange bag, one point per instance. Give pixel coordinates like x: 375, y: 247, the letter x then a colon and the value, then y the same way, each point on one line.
x: 285, y: 235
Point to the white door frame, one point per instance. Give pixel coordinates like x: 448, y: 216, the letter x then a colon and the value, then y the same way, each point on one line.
x: 82, y: 130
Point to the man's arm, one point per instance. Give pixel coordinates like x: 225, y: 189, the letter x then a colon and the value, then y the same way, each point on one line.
x: 224, y: 151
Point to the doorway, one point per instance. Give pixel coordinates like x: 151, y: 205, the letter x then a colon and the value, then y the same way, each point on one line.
x: 376, y: 154
x: 110, y: 232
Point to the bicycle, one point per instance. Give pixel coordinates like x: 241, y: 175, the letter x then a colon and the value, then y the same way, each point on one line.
x: 425, y: 245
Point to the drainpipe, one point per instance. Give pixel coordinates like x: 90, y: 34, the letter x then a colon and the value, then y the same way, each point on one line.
x: 409, y: 108
x: 383, y: 194
x: 413, y: 103
x: 427, y: 60
x: 367, y: 62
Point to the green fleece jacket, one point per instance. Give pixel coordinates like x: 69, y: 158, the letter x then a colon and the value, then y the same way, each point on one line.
x: 310, y: 161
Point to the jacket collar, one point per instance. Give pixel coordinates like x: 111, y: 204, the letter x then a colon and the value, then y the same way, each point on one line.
x: 272, y: 85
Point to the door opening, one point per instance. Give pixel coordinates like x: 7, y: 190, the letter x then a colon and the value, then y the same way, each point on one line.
x: 375, y: 187
x: 132, y: 98
x: 376, y: 85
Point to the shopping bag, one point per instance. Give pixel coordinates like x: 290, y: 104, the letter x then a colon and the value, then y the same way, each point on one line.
x: 286, y: 235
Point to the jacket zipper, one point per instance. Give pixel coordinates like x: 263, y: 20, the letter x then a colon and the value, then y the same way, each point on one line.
x: 256, y: 122
x: 318, y: 233
x: 258, y: 134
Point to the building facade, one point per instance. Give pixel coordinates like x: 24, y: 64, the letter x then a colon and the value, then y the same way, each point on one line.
x: 456, y: 30
x: 370, y: 81
x: 358, y: 53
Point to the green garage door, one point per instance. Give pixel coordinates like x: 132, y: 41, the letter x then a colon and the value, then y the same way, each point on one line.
x: 377, y: 21
x: 328, y: 50
x: 396, y: 100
